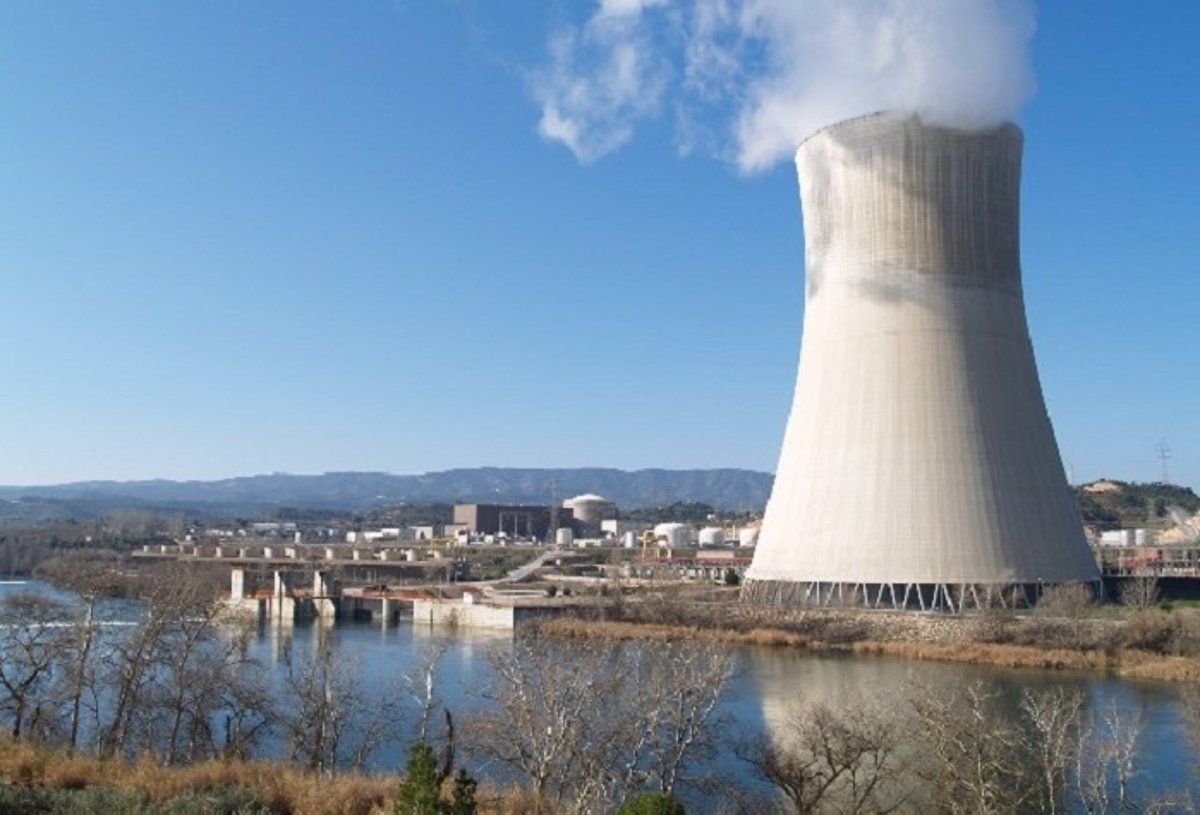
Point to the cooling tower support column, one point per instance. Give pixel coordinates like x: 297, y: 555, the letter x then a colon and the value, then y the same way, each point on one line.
x: 919, y: 468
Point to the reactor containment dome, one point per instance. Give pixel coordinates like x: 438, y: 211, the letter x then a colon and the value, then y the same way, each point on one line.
x: 919, y: 468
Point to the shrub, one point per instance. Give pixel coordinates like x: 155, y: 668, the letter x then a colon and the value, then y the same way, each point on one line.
x: 1187, y: 632
x: 420, y: 792
x: 1151, y: 631
x: 651, y: 803
x: 992, y: 625
x: 1067, y: 600
x: 462, y: 797
x: 89, y: 801
x: 217, y: 801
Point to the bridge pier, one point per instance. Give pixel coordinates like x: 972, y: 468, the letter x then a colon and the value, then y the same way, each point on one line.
x: 283, y: 605
x: 324, y: 602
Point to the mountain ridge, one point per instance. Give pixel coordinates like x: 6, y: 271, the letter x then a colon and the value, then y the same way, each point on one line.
x: 723, y: 488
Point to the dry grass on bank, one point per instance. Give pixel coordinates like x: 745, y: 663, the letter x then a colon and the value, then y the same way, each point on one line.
x: 1132, y: 663
x: 279, y: 787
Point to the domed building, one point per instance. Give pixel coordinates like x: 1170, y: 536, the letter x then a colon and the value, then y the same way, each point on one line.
x: 589, y: 510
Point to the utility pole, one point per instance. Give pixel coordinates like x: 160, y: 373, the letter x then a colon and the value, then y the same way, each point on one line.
x: 1164, y: 456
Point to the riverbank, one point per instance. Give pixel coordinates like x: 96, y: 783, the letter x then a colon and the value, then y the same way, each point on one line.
x: 1152, y: 644
x: 34, y: 778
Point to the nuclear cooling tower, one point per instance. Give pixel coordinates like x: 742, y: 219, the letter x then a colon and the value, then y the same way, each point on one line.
x: 919, y: 468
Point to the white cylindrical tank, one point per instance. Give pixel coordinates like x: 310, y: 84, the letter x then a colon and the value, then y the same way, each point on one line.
x: 564, y: 536
x: 673, y: 534
x: 748, y: 536
x: 712, y: 536
x: 629, y: 540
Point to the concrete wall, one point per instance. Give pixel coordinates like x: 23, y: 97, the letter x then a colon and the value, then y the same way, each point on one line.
x: 465, y: 615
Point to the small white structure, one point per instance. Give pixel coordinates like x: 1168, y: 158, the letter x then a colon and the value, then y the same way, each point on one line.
x: 1127, y: 537
x: 712, y: 536
x: 564, y: 536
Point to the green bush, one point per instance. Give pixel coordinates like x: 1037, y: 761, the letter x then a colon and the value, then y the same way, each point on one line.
x: 651, y: 803
x: 420, y: 792
x: 86, y: 801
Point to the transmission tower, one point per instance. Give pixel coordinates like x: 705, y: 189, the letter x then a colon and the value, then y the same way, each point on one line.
x: 1164, y: 456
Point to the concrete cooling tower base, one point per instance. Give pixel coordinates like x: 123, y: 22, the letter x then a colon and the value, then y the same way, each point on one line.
x: 951, y: 597
x: 919, y: 468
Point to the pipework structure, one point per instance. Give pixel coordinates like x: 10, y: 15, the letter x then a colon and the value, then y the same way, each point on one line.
x: 919, y: 468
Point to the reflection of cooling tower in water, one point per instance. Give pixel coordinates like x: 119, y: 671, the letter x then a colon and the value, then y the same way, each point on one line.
x: 919, y: 467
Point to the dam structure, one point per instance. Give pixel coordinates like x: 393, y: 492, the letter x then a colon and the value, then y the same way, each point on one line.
x: 919, y: 469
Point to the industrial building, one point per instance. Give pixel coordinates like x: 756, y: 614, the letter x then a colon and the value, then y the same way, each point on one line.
x: 919, y: 468
x: 512, y: 520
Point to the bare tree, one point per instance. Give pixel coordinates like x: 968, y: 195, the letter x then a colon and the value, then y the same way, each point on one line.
x: 209, y: 677
x: 32, y: 644
x: 90, y: 577
x: 1053, y: 725
x: 328, y: 719
x: 421, y: 683
x: 1106, y: 761
x: 176, y: 609
x: 977, y: 760
x: 679, y: 688
x: 542, y: 721
x: 1070, y: 600
x: 588, y: 725
x: 843, y: 760
x: 1140, y: 592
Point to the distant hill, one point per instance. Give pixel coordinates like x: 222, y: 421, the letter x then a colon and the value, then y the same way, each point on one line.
x: 356, y: 491
x: 1111, y: 504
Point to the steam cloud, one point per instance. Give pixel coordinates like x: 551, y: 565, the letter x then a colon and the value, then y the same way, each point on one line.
x: 771, y: 72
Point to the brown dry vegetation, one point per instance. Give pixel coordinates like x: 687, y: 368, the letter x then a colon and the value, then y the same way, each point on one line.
x: 279, y: 787
x: 1151, y: 644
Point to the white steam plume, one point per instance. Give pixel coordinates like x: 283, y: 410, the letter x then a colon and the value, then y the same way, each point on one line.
x: 770, y: 72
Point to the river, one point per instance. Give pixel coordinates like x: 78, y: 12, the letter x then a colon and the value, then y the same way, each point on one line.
x: 768, y: 683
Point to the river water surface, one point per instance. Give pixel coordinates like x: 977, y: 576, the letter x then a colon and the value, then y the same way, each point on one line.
x: 768, y: 684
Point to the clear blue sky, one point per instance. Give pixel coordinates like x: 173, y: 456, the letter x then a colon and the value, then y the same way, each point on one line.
x: 298, y: 236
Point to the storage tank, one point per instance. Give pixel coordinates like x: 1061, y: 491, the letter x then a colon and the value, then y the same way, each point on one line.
x: 919, y: 467
x: 748, y: 536
x: 673, y: 534
x: 564, y: 536
x: 712, y: 536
